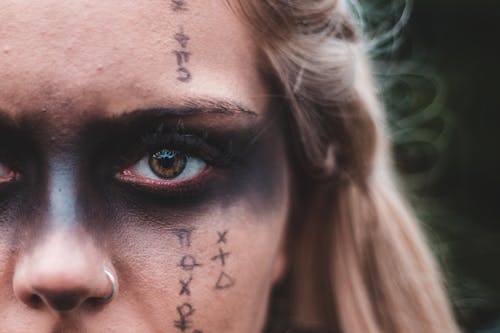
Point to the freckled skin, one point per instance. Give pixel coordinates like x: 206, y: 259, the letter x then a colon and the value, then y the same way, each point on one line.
x: 65, y: 64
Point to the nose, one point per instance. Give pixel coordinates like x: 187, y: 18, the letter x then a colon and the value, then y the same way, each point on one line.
x: 62, y: 272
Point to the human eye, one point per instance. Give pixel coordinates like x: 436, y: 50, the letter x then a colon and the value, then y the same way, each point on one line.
x: 165, y: 168
x: 6, y: 174
x: 170, y: 162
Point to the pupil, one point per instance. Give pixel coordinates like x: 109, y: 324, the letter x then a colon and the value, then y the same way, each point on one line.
x: 166, y: 158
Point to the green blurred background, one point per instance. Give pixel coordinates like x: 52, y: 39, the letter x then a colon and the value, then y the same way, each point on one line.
x: 439, y: 76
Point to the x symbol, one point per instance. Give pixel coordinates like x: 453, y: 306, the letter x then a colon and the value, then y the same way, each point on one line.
x: 222, y: 237
x: 185, y: 286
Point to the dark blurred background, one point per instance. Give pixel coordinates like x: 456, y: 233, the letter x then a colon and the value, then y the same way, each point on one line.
x: 439, y: 69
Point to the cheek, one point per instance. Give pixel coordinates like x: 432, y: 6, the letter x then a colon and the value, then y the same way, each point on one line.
x: 212, y: 277
x: 211, y: 270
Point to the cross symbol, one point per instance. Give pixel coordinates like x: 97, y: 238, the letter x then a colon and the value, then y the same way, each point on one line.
x: 221, y: 256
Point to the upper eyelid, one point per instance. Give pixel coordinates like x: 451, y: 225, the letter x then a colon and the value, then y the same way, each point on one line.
x: 192, y: 145
x: 102, y: 143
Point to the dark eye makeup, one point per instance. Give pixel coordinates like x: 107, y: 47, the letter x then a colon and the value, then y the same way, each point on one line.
x: 150, y: 162
x: 172, y: 160
x: 153, y: 160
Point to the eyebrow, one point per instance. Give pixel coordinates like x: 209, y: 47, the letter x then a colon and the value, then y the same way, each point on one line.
x: 190, y: 107
x: 187, y: 107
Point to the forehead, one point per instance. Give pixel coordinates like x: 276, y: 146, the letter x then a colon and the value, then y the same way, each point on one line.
x: 122, y: 55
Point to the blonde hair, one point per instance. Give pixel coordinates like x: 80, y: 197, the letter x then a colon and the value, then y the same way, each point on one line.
x: 358, y: 262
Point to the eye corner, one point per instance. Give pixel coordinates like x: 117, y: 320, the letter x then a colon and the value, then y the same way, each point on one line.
x: 8, y: 174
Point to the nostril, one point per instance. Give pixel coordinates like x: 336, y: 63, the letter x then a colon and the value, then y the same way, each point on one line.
x: 35, y: 301
x: 62, y: 301
x: 63, y: 272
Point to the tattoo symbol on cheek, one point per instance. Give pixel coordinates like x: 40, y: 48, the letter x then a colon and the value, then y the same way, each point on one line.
x: 185, y: 286
x: 185, y: 311
x: 184, y: 236
x: 188, y: 263
x: 179, y: 5
x: 224, y: 281
x: 221, y: 256
x: 222, y: 236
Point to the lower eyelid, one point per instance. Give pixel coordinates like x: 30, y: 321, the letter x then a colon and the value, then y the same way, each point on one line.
x: 128, y: 177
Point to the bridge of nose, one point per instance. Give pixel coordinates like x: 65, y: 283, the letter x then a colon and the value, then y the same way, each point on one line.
x: 62, y: 187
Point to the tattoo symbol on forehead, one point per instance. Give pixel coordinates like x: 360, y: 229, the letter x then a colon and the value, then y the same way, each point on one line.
x: 222, y: 256
x: 179, y: 5
x: 185, y: 311
x: 185, y: 286
x: 188, y: 263
x: 224, y: 281
x: 222, y: 236
x: 182, y: 38
x: 184, y: 236
x: 182, y: 57
x: 184, y: 74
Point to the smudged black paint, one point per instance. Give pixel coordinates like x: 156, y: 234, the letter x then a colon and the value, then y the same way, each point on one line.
x: 92, y: 149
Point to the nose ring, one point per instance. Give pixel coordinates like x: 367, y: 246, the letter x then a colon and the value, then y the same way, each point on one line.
x: 112, y: 279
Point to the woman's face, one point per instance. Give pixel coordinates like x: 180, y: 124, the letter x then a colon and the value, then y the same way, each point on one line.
x: 136, y: 137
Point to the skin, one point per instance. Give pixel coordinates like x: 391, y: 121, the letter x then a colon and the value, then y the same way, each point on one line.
x: 72, y: 72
